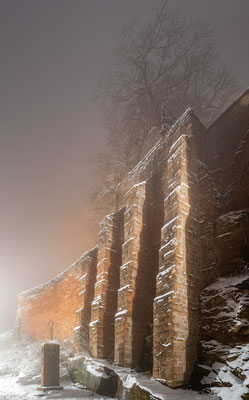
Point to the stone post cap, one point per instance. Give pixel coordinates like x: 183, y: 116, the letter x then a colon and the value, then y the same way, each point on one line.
x: 51, y: 345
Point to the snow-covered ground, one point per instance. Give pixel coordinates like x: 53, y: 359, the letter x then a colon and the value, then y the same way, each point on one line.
x: 20, y: 372
x: 20, y: 375
x: 144, y: 381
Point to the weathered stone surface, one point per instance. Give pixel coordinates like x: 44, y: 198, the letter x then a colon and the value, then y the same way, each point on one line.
x: 96, y: 377
x: 225, y: 310
x: 231, y: 241
x: 81, y: 339
x: 138, y: 393
x: 223, y: 355
x: 129, y: 329
x: 50, y: 365
x: 179, y: 279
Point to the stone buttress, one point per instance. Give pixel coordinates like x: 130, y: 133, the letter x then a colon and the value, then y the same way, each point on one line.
x: 104, y: 305
x: 127, y: 351
x: 179, y: 279
x: 88, y: 278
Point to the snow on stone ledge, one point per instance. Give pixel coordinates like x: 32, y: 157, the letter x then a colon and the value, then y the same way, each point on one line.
x: 131, y: 379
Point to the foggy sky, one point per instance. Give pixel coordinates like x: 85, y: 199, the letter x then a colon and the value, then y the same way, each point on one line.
x: 52, y: 54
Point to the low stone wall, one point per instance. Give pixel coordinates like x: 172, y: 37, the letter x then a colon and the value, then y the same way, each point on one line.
x: 51, y: 308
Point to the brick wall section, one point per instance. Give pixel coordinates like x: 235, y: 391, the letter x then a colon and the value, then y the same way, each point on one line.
x: 178, y: 281
x: 104, y: 305
x: 55, y: 302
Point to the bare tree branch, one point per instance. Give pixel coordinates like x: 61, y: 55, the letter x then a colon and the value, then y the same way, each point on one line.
x: 170, y: 60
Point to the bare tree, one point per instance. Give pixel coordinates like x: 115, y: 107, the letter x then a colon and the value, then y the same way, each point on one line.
x: 171, y: 60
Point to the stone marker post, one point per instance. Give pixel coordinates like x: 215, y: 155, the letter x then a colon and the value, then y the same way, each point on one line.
x: 50, y: 366
x: 51, y: 330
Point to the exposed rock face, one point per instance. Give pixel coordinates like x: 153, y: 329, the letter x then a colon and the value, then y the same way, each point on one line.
x: 96, y: 377
x: 224, y: 348
x: 180, y: 221
x: 232, y: 241
x: 225, y: 310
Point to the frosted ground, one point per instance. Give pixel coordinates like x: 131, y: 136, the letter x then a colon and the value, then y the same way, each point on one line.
x: 20, y: 372
x: 20, y: 375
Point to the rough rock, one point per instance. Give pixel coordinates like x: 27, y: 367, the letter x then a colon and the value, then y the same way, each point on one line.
x: 123, y: 383
x: 225, y: 310
x: 96, y: 377
x: 231, y: 242
x: 224, y: 349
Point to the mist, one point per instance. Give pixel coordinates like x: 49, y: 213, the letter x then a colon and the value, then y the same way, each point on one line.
x: 52, y: 58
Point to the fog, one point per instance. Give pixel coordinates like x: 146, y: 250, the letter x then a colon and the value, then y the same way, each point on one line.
x: 52, y: 57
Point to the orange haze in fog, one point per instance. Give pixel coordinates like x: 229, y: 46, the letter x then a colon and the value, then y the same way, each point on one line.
x: 52, y: 57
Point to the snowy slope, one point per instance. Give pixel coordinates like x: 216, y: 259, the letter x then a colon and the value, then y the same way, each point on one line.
x: 224, y: 350
x: 20, y: 371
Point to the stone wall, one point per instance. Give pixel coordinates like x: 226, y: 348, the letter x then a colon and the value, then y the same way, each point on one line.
x: 58, y: 301
x: 176, y: 226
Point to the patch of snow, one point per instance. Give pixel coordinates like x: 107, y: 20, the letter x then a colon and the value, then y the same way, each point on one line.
x: 122, y: 312
x: 221, y: 284
x: 98, y: 300
x: 177, y: 190
x: 156, y: 389
x: 126, y: 287
x: 170, y: 222
x: 128, y: 240
x: 126, y: 265
x: 224, y: 234
x: 103, y: 280
x: 83, y: 276
x: 168, y: 253
x: 137, y: 185
x: 101, y: 261
x: 232, y: 387
x: 158, y: 299
x: 96, y: 370
x: 93, y: 323
x: 128, y: 381
x: 128, y: 209
x: 102, y: 273
x: 169, y: 243
x: 166, y: 271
